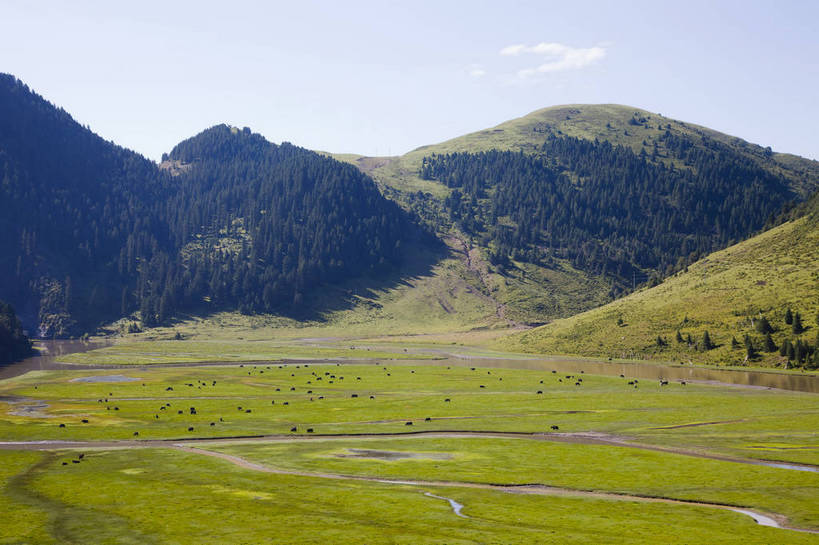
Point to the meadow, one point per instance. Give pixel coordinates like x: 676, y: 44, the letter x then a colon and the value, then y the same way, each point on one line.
x: 149, y: 474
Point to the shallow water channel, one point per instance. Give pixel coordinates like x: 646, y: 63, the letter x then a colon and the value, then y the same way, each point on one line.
x: 50, y: 350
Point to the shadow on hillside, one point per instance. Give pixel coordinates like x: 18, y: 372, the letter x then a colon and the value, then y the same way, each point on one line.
x: 418, y: 260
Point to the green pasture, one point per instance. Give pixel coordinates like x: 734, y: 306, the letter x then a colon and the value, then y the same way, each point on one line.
x: 577, y: 466
x: 170, y: 351
x: 382, y: 398
x: 152, y: 496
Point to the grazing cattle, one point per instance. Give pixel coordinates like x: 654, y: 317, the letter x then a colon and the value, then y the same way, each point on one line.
x: 371, y: 397
x: 157, y: 416
x: 622, y: 376
x: 273, y: 402
x: 541, y: 382
x: 354, y: 395
x: 247, y: 410
x: 359, y: 378
x: 84, y: 421
x: 309, y: 430
x: 540, y: 391
x: 286, y: 403
x: 294, y: 428
x: 309, y: 391
x: 162, y: 408
x: 238, y: 408
x: 471, y: 368
x: 581, y: 372
x: 482, y: 386
x: 413, y: 372
x: 75, y: 461
x: 81, y: 456
x: 408, y: 423
x: 221, y: 419
x: 555, y: 427
x: 631, y: 383
x: 193, y: 410
x: 213, y: 423
x: 682, y: 383
x: 427, y: 419
x: 65, y: 463
x: 577, y: 384
x: 61, y: 425
x: 116, y: 408
x: 278, y: 389
x: 136, y: 433
x: 553, y: 371
x: 560, y: 380
x: 292, y: 389
x: 190, y: 429
x: 179, y: 411
x: 663, y: 382
x: 446, y: 400
x: 322, y: 397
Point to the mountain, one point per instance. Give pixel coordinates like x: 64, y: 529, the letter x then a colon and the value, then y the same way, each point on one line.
x: 69, y: 203
x: 90, y: 231
x: 608, y: 196
x: 738, y: 295
x: 539, y: 218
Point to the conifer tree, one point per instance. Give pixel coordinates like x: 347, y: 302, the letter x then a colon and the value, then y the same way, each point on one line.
x: 788, y: 316
x: 706, y: 341
x: 763, y: 326
x: 749, y: 348
x: 797, y: 324
x: 770, y: 346
x: 679, y: 338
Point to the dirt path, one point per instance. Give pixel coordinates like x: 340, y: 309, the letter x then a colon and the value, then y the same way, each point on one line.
x: 768, y: 519
x: 475, y: 263
x: 584, y: 438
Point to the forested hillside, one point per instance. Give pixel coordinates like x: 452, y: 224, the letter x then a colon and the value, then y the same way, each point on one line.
x: 611, y: 196
x: 258, y: 224
x: 90, y: 231
x: 612, y: 212
x: 13, y: 342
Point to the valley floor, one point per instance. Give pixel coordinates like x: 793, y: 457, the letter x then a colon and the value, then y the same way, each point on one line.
x: 376, y: 445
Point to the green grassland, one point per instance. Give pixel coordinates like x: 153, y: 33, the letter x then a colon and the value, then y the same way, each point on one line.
x: 164, y: 496
x: 155, y: 493
x: 585, y: 467
x: 172, y: 351
x: 723, y: 293
x: 740, y: 422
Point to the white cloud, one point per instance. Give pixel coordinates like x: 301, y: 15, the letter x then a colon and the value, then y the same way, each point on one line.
x: 477, y: 72
x: 558, y: 57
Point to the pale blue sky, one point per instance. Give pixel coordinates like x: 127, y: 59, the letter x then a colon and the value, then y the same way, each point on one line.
x: 385, y: 77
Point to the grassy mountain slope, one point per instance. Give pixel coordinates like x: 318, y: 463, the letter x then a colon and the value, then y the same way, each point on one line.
x: 725, y: 293
x: 611, y: 122
x: 538, y: 292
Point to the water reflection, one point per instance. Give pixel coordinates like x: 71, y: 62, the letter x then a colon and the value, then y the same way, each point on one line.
x: 652, y: 371
x: 50, y: 350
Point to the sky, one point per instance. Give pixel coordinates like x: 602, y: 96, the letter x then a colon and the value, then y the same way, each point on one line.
x: 384, y: 77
